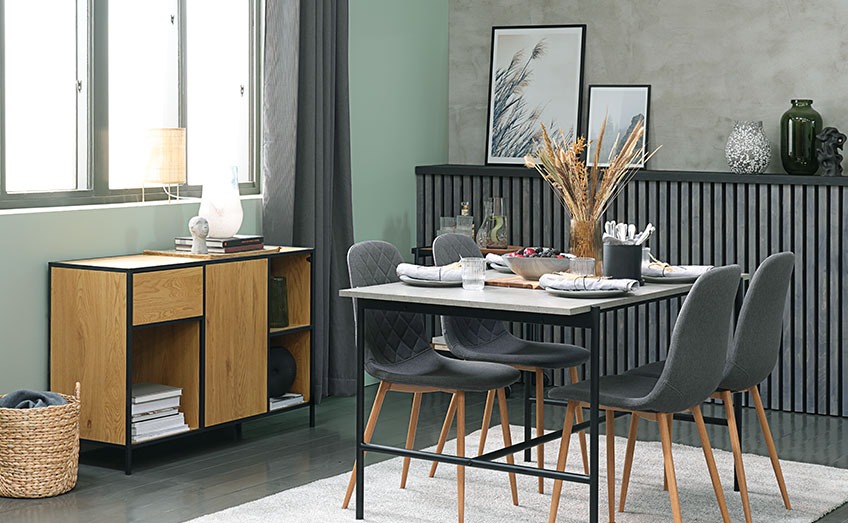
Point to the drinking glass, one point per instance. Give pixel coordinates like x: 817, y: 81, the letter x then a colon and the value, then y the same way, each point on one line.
x: 583, y: 266
x: 473, y: 274
x: 447, y: 224
x: 464, y: 225
x: 646, y: 258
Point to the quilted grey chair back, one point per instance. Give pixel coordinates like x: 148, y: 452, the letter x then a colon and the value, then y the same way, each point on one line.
x: 464, y: 333
x: 391, y: 337
x: 753, y: 353
x: 449, y: 248
x: 698, y: 347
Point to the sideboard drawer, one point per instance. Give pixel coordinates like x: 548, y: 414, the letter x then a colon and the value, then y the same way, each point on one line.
x: 167, y: 295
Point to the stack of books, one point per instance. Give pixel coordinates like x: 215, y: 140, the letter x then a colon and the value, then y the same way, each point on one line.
x: 238, y: 243
x: 155, y: 411
x: 286, y: 400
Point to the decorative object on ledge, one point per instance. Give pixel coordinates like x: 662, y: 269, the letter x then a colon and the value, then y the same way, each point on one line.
x: 622, y: 107
x: 587, y: 192
x: 199, y: 229
x: 282, y: 370
x: 493, y: 231
x: 220, y: 203
x: 748, y: 151
x: 798, y: 129
x: 278, y: 316
x: 536, y: 76
x: 828, y: 154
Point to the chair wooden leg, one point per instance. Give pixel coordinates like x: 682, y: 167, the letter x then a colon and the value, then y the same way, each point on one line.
x: 540, y: 423
x: 561, y: 459
x: 507, y: 437
x: 460, y: 451
x: 610, y: 437
x: 487, y: 419
x: 410, y: 434
x: 670, y: 435
x: 582, y: 434
x: 727, y: 399
x: 708, y: 455
x: 369, y: 431
x: 443, y: 435
x: 665, y: 437
x: 628, y: 458
x: 775, y: 463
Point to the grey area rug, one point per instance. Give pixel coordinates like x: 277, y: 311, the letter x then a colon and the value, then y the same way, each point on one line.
x: 814, y: 490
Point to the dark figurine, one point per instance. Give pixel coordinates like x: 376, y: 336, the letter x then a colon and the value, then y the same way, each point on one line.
x: 828, y: 153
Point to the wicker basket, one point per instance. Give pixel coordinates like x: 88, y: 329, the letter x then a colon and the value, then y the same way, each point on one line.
x: 39, y: 449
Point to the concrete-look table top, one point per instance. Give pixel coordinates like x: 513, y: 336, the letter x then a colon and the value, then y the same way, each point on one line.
x: 511, y: 299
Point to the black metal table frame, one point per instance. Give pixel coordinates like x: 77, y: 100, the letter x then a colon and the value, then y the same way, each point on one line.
x: 589, y: 320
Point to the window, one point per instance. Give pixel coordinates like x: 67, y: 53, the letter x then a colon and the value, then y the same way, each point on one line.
x: 79, y: 98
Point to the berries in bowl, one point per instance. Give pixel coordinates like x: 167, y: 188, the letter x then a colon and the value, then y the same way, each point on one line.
x: 532, y: 262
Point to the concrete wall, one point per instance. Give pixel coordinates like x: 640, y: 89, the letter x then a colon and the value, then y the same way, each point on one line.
x: 708, y: 62
x: 32, y: 238
x: 398, y: 110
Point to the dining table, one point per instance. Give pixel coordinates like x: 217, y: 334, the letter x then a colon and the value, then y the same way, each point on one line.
x: 529, y: 306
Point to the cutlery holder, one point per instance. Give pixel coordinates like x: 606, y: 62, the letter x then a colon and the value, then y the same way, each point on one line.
x: 623, y: 261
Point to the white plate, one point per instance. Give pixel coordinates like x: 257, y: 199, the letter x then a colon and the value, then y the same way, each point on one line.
x: 429, y: 283
x: 669, y: 279
x: 606, y: 293
x: 501, y: 268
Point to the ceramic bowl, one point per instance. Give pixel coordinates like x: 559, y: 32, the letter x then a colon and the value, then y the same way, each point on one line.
x: 533, y: 268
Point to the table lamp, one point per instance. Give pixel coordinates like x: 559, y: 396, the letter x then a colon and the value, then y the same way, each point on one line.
x: 166, y: 163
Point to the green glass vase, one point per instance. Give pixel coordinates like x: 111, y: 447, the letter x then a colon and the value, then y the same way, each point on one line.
x: 798, y: 129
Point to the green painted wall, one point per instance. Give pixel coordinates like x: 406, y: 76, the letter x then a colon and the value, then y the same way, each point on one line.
x: 398, y: 110
x: 32, y: 238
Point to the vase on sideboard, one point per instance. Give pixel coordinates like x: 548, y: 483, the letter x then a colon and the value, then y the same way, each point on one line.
x: 798, y: 129
x: 747, y: 150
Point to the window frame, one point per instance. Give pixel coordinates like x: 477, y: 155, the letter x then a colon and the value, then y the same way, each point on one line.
x: 92, y: 129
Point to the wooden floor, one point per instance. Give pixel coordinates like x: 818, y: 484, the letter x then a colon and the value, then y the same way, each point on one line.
x: 180, y: 480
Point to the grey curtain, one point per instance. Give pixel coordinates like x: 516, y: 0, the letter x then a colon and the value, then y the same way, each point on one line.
x: 306, y: 167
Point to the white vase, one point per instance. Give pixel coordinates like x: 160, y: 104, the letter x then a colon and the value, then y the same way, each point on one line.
x: 748, y: 150
x: 220, y: 204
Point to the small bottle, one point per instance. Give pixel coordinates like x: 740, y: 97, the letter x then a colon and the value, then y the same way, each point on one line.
x: 465, y: 222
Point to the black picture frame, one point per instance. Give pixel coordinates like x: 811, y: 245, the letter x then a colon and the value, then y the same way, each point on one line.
x: 535, y: 77
x: 628, y: 102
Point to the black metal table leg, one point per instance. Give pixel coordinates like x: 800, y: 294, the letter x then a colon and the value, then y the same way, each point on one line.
x: 360, y: 410
x: 594, y: 413
x: 527, y: 388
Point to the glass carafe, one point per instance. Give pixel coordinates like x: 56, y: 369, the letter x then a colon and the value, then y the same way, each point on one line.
x: 493, y: 233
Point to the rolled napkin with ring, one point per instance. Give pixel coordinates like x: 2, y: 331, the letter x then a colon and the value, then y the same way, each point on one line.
x: 496, y: 259
x: 663, y: 270
x: 452, y: 272
x: 30, y: 399
x: 572, y: 282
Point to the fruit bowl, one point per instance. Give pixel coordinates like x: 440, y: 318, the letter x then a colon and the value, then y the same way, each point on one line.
x: 533, y: 267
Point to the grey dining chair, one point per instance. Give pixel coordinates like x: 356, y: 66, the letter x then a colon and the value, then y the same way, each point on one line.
x: 398, y: 353
x: 490, y: 340
x: 693, y: 369
x: 750, y: 359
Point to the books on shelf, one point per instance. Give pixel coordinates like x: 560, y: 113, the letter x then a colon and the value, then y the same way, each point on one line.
x: 144, y: 392
x: 223, y: 250
x: 235, y: 241
x: 286, y: 400
x: 161, y: 413
x: 160, y: 434
x: 175, y: 420
x: 152, y: 406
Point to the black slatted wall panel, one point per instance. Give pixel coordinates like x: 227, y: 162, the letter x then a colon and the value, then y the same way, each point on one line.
x: 701, y: 218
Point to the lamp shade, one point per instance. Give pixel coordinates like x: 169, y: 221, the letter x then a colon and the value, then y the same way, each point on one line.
x: 166, y: 163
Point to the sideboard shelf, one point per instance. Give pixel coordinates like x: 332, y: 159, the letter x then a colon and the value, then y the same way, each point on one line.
x: 197, y: 324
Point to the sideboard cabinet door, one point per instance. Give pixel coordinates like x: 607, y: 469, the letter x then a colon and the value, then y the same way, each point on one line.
x: 236, y: 340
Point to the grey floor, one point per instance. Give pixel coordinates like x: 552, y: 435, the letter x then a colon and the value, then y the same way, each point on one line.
x: 180, y: 480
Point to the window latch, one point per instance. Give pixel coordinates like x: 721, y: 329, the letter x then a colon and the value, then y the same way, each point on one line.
x: 172, y: 19
x: 79, y: 86
x: 241, y: 89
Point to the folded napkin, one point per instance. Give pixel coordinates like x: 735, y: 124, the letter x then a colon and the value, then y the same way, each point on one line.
x: 497, y: 259
x: 565, y: 281
x: 660, y: 270
x: 452, y: 272
x: 30, y: 399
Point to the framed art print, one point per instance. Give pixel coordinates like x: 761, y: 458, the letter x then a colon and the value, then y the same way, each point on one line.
x: 536, y: 77
x: 623, y: 106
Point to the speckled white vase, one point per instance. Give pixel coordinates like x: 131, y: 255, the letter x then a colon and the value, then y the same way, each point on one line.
x: 748, y: 151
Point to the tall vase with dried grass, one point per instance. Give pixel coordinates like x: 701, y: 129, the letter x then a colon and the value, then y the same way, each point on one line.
x: 587, y: 192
